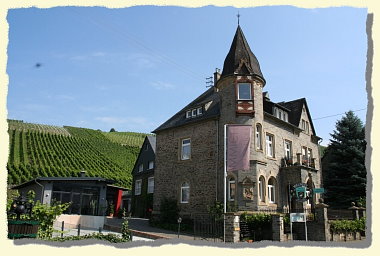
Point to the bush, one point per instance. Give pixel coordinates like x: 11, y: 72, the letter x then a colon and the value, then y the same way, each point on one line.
x: 125, y: 232
x: 259, y: 224
x: 46, y: 215
x: 338, y: 226
x: 108, y: 237
x: 169, y: 211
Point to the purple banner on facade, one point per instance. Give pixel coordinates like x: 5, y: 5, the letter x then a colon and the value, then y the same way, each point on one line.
x: 238, y: 147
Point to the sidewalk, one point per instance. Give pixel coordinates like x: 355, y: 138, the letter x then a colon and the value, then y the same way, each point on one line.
x: 86, y: 231
x: 141, y: 227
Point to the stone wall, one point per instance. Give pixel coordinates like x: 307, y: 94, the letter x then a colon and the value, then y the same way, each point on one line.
x: 199, y: 171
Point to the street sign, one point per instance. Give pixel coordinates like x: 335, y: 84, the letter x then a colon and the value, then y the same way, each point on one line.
x: 300, y: 192
x: 298, y: 217
x: 319, y: 190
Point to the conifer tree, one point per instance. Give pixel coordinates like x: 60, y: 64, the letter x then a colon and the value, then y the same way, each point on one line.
x: 343, y: 165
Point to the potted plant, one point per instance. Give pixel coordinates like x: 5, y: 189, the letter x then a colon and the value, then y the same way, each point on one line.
x: 111, y: 209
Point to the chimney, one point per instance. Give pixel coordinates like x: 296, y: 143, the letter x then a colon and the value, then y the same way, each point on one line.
x: 266, y: 96
x: 216, y: 76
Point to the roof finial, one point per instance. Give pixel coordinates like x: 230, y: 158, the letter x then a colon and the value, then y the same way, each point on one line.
x: 238, y: 16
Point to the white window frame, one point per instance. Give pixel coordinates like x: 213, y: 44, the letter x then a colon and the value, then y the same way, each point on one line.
x: 141, y: 167
x: 280, y: 114
x: 272, y: 191
x: 183, y: 145
x: 288, y: 151
x: 150, y: 188
x: 188, y: 114
x: 262, y: 189
x: 185, y: 187
x: 150, y: 165
x: 305, y: 126
x: 138, y: 184
x: 259, y: 132
x: 250, y: 91
x: 231, y: 188
x: 269, y: 145
x: 194, y: 112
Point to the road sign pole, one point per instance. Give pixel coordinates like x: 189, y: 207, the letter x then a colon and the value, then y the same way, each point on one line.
x: 291, y: 222
x: 305, y: 220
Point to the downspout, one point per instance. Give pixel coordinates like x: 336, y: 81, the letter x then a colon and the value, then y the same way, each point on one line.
x: 320, y: 163
x: 217, y: 160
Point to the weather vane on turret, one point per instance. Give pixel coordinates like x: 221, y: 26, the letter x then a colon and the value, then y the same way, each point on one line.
x: 238, y: 16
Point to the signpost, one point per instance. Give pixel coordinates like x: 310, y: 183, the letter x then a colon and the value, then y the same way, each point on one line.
x: 298, y: 217
x: 301, y: 193
x: 318, y: 190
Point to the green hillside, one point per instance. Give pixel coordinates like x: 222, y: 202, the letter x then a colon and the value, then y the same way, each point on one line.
x: 50, y: 151
x: 126, y: 138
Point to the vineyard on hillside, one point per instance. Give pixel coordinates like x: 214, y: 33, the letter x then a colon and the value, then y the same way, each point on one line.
x: 126, y: 138
x: 48, y: 151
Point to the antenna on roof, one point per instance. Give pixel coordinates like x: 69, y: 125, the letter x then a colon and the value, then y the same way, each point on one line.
x: 209, y: 82
x: 238, y: 16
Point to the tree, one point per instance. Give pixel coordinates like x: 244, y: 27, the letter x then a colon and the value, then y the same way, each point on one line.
x: 112, y: 130
x: 343, y: 164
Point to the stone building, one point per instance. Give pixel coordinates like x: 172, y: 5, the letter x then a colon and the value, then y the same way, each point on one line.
x: 283, y: 146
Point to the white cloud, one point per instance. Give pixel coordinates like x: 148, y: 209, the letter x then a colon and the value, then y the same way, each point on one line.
x: 89, y: 56
x: 111, y: 120
x: 159, y: 85
x: 98, y: 54
x: 59, y: 97
x: 65, y: 97
x: 142, y: 60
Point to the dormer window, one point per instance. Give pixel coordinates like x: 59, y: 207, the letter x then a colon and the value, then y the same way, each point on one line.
x: 194, y: 112
x: 280, y: 114
x: 244, y: 91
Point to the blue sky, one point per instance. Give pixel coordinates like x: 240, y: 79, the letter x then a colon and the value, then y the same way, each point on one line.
x: 131, y: 69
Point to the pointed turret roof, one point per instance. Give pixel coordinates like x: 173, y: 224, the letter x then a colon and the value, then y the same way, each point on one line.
x: 240, y: 59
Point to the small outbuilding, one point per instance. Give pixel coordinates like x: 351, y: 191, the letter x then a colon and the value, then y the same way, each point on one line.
x: 89, y: 196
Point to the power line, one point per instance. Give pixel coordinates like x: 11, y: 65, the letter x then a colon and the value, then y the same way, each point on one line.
x: 139, y: 44
x: 337, y: 114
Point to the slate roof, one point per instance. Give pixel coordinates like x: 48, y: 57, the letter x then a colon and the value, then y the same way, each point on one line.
x: 152, y: 141
x: 180, y: 119
x: 66, y: 179
x: 239, y: 51
x: 295, y: 107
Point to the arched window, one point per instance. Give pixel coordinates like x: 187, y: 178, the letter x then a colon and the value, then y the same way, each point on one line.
x: 231, y: 189
x: 262, y: 189
x: 259, y: 144
x: 185, y: 192
x: 272, y: 190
